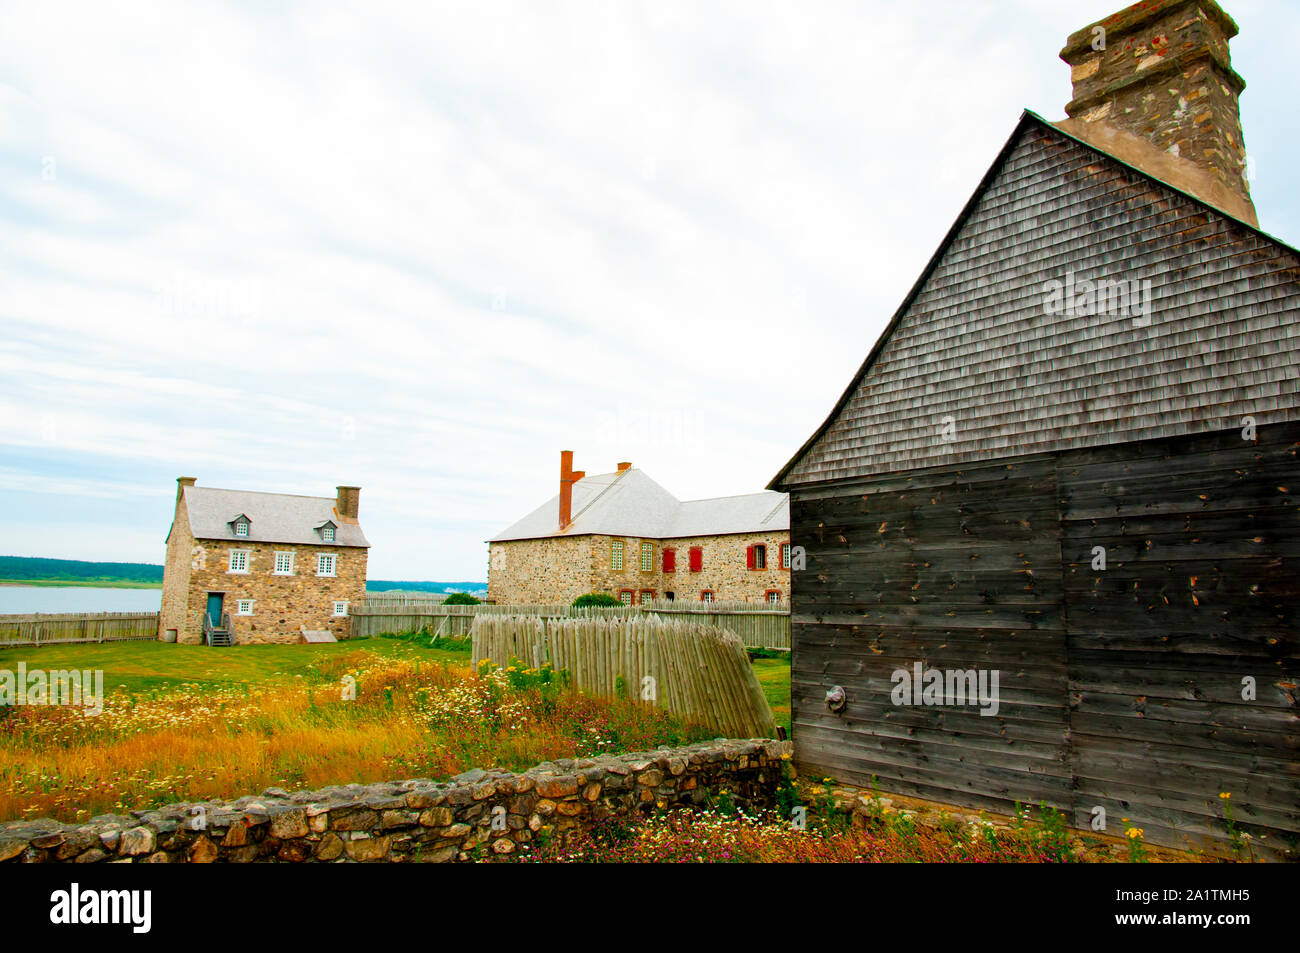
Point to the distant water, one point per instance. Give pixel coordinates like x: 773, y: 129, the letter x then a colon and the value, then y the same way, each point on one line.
x: 26, y: 599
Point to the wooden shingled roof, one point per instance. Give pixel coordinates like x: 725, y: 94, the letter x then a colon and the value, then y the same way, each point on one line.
x: 976, y: 366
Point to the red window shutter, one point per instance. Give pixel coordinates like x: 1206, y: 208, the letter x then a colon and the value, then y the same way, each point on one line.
x: 697, y: 559
x: 749, y: 557
x: 670, y: 560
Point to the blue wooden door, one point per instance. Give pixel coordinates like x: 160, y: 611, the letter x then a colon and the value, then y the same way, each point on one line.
x: 215, y: 602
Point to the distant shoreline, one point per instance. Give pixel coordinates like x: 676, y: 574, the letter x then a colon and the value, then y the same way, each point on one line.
x: 82, y: 583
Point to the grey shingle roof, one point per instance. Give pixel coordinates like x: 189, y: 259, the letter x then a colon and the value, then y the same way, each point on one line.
x: 273, y: 517
x: 974, y: 342
x: 632, y: 504
x: 751, y: 513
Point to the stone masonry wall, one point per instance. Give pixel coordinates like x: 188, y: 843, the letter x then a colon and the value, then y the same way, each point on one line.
x: 281, y: 604
x: 1165, y: 74
x: 548, y: 571
x: 557, y: 570
x: 724, y: 569
x: 491, y: 812
x: 176, y: 575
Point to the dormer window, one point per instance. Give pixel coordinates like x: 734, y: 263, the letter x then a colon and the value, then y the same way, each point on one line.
x: 240, y: 525
x: 326, y: 531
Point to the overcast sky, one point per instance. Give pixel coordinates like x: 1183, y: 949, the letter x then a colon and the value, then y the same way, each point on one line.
x: 424, y: 247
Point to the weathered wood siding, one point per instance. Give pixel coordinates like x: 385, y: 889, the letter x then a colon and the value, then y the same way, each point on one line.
x: 958, y: 570
x: 1119, y: 688
x: 1202, y: 536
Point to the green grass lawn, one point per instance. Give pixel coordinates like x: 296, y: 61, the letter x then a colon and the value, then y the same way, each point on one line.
x: 774, y: 676
x: 138, y: 666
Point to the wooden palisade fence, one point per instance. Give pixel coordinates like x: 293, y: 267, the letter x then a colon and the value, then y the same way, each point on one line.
x: 405, y: 598
x: 54, y: 628
x: 759, y: 625
x: 696, y: 671
x: 455, y: 621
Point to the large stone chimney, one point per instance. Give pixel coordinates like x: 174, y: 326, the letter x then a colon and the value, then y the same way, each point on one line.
x: 181, y: 484
x: 348, y: 503
x: 568, y: 477
x: 1154, y: 86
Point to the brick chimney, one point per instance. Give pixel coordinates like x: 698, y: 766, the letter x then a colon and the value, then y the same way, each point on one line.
x: 348, y: 503
x: 622, y: 467
x: 1160, y: 72
x: 568, y: 477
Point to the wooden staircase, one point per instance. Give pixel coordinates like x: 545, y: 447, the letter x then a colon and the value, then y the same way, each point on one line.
x: 218, y: 636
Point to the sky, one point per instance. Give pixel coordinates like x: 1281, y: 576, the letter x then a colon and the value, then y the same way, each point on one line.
x: 422, y: 248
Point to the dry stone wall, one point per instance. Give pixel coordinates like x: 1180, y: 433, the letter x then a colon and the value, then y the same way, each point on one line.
x: 480, y: 813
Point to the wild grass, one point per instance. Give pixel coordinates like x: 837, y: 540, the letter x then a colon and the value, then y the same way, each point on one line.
x: 774, y: 678
x: 712, y: 838
x: 184, y: 723
x: 823, y: 834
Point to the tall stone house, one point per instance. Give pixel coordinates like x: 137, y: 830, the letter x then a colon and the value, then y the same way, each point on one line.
x: 623, y: 534
x: 1071, y: 462
x: 261, y: 567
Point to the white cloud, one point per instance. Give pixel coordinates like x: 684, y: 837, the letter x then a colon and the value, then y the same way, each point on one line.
x: 664, y: 232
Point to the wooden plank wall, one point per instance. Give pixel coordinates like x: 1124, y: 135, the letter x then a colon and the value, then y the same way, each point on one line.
x: 957, y: 570
x: 1201, y: 587
x: 1120, y: 689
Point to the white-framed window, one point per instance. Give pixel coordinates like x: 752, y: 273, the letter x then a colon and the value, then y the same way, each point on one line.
x: 244, y: 607
x: 326, y: 564
x: 774, y: 596
x: 647, y: 557
x: 785, y: 555
x: 284, y: 564
x: 616, y: 555
x: 241, y: 527
x: 341, y: 607
x: 706, y: 595
x: 239, y: 560
x: 625, y: 596
x: 327, y: 533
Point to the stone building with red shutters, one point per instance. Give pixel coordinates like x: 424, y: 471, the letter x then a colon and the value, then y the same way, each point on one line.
x: 623, y: 534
